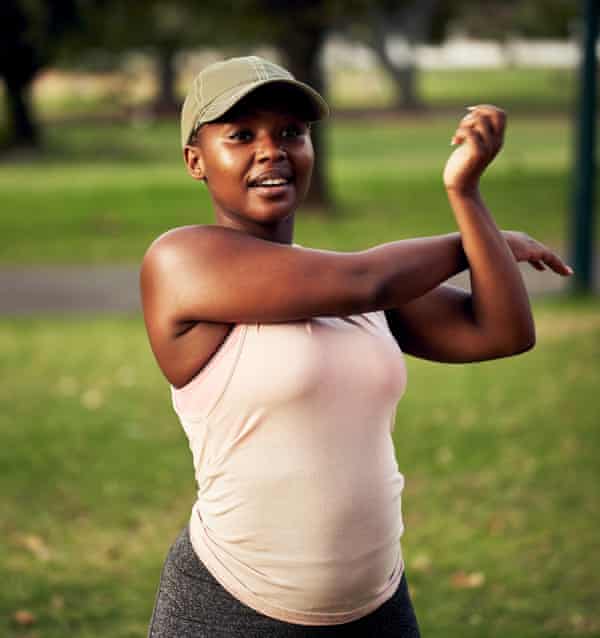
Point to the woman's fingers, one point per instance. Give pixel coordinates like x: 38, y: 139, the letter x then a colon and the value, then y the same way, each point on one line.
x: 552, y: 260
x: 497, y: 116
x: 557, y: 264
x: 480, y: 133
x: 468, y: 131
x: 483, y: 125
x: 538, y: 265
x: 486, y: 128
x: 539, y: 256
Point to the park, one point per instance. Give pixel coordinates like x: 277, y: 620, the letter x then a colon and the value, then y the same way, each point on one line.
x: 500, y: 457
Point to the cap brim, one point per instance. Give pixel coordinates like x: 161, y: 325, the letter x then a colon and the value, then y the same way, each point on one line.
x: 318, y: 108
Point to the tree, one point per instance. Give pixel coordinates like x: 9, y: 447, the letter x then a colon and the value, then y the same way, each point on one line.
x: 30, y: 37
x: 502, y: 19
x: 411, y: 23
x: 164, y: 28
x: 161, y: 28
x: 299, y: 29
x: 299, y: 34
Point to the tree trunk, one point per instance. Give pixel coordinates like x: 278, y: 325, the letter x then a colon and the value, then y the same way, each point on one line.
x: 407, y: 81
x: 411, y: 21
x: 404, y: 76
x: 302, y: 52
x: 24, y: 132
x: 166, y: 100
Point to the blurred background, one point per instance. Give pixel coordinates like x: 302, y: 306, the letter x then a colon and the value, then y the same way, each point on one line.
x: 501, y: 505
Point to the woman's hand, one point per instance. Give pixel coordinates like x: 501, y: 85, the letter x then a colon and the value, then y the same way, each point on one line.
x: 525, y: 248
x: 480, y: 135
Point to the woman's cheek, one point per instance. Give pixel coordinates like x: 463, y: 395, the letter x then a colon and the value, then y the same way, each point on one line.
x: 227, y: 158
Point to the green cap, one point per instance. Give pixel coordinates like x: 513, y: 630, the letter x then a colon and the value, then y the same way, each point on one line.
x: 222, y: 84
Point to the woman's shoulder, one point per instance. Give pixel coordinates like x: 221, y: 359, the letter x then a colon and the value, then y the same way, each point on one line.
x: 181, y: 235
x: 202, y: 240
x: 172, y: 248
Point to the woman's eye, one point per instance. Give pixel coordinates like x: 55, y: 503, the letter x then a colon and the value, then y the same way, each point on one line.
x: 243, y: 135
x: 291, y: 131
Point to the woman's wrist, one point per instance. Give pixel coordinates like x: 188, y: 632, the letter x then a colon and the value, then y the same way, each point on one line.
x: 463, y: 191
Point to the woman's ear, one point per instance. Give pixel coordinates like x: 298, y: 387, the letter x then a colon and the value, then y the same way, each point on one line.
x: 194, y: 162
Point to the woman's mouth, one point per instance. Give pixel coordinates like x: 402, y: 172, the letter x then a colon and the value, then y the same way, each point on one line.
x: 280, y: 181
x: 271, y: 185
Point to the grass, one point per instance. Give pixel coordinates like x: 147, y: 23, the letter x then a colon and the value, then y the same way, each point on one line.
x: 500, y: 461
x: 58, y: 94
x: 101, y: 194
x: 526, y: 89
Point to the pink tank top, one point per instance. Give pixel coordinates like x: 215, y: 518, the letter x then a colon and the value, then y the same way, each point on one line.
x: 298, y: 513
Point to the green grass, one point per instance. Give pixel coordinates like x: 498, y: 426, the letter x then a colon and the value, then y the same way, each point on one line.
x: 101, y: 194
x: 500, y: 460
x: 522, y: 88
x: 525, y: 89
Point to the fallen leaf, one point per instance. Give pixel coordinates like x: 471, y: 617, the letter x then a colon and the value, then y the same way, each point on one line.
x: 462, y: 580
x: 496, y: 524
x: 421, y: 563
x: 36, y: 545
x: 92, y: 399
x: 24, y: 617
x: 57, y: 602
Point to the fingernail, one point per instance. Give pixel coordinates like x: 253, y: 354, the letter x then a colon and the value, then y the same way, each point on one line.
x: 570, y: 270
x: 471, y: 108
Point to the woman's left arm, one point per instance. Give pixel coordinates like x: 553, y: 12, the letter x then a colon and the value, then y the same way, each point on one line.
x: 494, y: 320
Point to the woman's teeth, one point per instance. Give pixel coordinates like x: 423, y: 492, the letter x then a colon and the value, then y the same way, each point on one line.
x: 272, y: 182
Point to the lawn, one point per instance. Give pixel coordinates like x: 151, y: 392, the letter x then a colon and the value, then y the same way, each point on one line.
x: 500, y: 459
x: 521, y: 88
x: 60, y: 94
x: 102, y: 193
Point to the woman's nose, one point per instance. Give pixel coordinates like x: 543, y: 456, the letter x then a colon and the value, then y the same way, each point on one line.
x: 269, y: 148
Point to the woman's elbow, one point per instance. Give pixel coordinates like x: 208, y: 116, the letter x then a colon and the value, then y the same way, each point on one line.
x: 522, y: 342
x: 527, y: 345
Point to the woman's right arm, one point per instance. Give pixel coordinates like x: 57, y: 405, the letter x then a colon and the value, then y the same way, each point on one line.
x: 212, y: 273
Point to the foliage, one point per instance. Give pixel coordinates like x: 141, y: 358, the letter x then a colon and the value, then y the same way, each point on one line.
x: 30, y: 37
x: 503, y: 19
x: 30, y: 32
x: 125, y: 26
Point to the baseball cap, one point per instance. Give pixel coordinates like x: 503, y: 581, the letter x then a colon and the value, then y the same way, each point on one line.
x: 221, y: 85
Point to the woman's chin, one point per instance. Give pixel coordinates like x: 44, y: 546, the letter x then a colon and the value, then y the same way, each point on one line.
x: 273, y: 210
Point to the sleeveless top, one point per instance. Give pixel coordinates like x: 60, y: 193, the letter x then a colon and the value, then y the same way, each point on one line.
x: 298, y: 510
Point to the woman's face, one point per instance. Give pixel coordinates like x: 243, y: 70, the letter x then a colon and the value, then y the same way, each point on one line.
x: 257, y: 162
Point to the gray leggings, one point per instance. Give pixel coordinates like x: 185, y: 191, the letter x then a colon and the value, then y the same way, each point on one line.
x: 190, y: 603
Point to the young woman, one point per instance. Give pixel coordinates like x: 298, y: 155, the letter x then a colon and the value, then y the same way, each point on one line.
x: 286, y: 365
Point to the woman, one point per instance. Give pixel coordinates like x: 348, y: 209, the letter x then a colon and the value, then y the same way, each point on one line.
x: 286, y: 366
